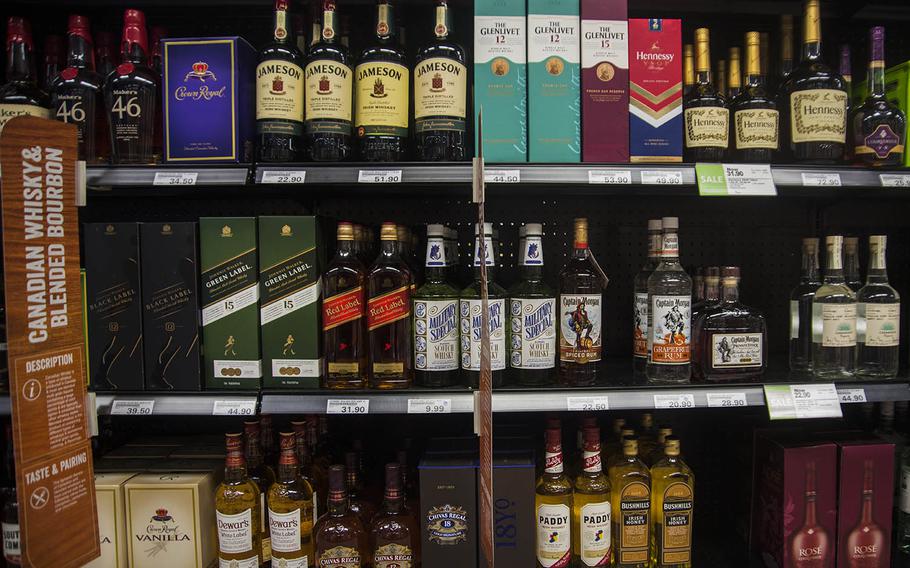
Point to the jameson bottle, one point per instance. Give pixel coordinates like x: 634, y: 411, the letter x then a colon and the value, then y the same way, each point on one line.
x: 670, y: 313
x: 21, y: 95
x: 532, y: 308
x: 435, y: 309
x: 756, y: 121
x: 381, y: 87
x: 801, y: 309
x: 580, y: 303
x: 640, y: 302
x: 343, y: 322
x: 707, y: 119
x: 440, y: 94
x: 329, y: 94
x: 834, y: 319
x: 878, y: 319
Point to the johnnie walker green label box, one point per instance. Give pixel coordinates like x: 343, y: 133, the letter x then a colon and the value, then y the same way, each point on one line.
x: 170, y: 302
x: 230, y: 306
x: 289, y: 301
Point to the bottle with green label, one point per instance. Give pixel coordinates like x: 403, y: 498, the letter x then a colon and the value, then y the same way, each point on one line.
x: 471, y: 314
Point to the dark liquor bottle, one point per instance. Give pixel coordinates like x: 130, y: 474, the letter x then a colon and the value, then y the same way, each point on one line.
x: 756, y: 121
x: 814, y: 100
x: 811, y: 544
x: 845, y: 69
x: 706, y: 116
x: 381, y: 88
x: 21, y: 95
x: 343, y: 324
x: 711, y: 294
x: 54, y: 59
x: 76, y: 92
x: 279, y: 94
x: 688, y: 68
x: 580, y: 308
x: 440, y: 89
x: 340, y: 537
x: 131, y: 96
x: 879, y: 127
x: 720, y: 76
x: 786, y: 50
x: 866, y: 543
x: 262, y: 475
x: 105, y: 53
x: 394, y: 537
x: 388, y: 315
x: 156, y: 34
x: 360, y: 506
x: 734, y: 73
x: 801, y: 309
x: 329, y: 91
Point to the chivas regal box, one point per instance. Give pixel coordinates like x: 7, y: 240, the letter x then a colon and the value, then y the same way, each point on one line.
x: 230, y: 302
x: 554, y: 82
x: 289, y: 301
x: 605, y: 80
x: 864, y: 503
x: 114, y: 305
x: 448, y: 510
x: 501, y: 78
x: 655, y: 97
x: 170, y: 520
x: 111, y: 520
x: 208, y: 99
x: 171, y: 306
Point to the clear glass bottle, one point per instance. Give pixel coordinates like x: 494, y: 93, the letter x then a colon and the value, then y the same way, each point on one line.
x: 672, y: 507
x: 553, y: 505
x: 670, y: 314
x: 640, y: 302
x: 237, y: 511
x: 878, y: 324
x: 834, y: 319
x: 801, y: 309
x: 630, y: 497
x: 851, y: 264
x: 290, y: 509
x: 591, y: 507
x: 394, y: 538
x: 340, y: 537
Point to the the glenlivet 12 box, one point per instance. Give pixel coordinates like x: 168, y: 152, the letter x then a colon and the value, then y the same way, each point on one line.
x: 208, y: 99
x: 655, y: 98
x: 554, y: 81
x: 230, y: 306
x: 170, y: 301
x: 289, y: 301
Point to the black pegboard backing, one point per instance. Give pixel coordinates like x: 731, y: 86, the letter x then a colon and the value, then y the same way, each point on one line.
x: 182, y: 208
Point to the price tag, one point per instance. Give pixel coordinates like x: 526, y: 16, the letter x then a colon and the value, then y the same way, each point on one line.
x: 379, y: 176
x: 661, y: 177
x: 587, y: 403
x: 610, y: 177
x: 674, y: 401
x: 132, y: 407
x: 429, y: 405
x: 848, y: 396
x: 347, y: 406
x: 502, y: 176
x: 175, y: 178
x: 802, y: 401
x: 821, y: 180
x: 283, y: 176
x: 726, y: 399
x: 895, y: 180
x: 735, y: 179
x: 234, y: 408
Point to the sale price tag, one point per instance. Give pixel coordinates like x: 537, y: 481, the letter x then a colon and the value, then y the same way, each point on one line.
x: 661, y: 177
x: 802, y: 401
x: 587, y: 403
x: 347, y: 406
x: 502, y: 176
x: 610, y: 177
x: 379, y: 176
x: 234, y: 408
x: 674, y: 401
x: 175, y: 178
x: 895, y: 180
x: 849, y: 396
x: 132, y: 407
x: 821, y: 180
x: 429, y: 405
x: 283, y: 176
x: 726, y: 399
x: 735, y: 179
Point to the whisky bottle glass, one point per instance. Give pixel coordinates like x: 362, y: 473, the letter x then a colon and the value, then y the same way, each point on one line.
x: 20, y: 94
x: 290, y: 510
x: 851, y: 264
x: 339, y: 536
x: 688, y: 68
x: 878, y: 328
x: 801, y: 309
x: 237, y: 511
x: 756, y: 121
x: 711, y: 294
x: 343, y: 321
x: 672, y: 507
x: 811, y: 544
x: 591, y: 508
x: 357, y: 504
x: 834, y: 320
x: 640, y: 302
x: 553, y: 505
x: 866, y: 541
x: 261, y: 474
x: 785, y: 65
x: 734, y: 74
x: 580, y: 311
x: 630, y: 498
x: 707, y: 127
x: 670, y: 313
x: 393, y: 534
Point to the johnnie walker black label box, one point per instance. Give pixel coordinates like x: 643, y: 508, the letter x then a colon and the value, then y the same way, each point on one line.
x: 170, y: 301
x: 113, y: 305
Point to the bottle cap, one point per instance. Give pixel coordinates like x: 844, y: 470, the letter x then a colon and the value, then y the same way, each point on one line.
x: 589, y: 422
x: 655, y: 225
x: 17, y: 31
x: 435, y: 230
x: 401, y: 234
x: 671, y: 446
x: 591, y: 435
x: 618, y: 423
x: 851, y: 244
x: 630, y: 445
x: 553, y: 422
x: 534, y: 229
x: 134, y: 30
x: 345, y: 231
x: 845, y: 67
x: 702, y: 35
x: 554, y: 439
x: 626, y: 432
x: 281, y: 5
x: 392, y: 476
x: 670, y: 223
x: 752, y: 38
x: 877, y: 242
x: 688, y: 50
x: 734, y: 54
x: 877, y: 46
x: 388, y: 232
x: 581, y: 232
x: 336, y: 482
x: 786, y: 22
x: 730, y: 272
x: 287, y: 441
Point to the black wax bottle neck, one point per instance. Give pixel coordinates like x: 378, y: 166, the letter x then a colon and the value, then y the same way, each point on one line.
x: 80, y: 55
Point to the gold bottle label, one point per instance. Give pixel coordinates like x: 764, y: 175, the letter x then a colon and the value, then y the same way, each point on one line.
x: 757, y: 128
x: 329, y: 89
x: 8, y: 111
x: 381, y: 94
x: 818, y: 115
x: 707, y: 127
x: 279, y: 91
x: 440, y: 87
x: 677, y: 525
x: 393, y: 556
x: 339, y: 557
x: 634, y: 523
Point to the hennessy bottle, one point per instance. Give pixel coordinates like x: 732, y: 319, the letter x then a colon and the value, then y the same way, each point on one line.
x: 343, y: 322
x: 706, y: 116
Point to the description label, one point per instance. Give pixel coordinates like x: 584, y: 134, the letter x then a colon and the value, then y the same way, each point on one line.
x: 175, y: 178
x: 587, y: 403
x: 851, y: 396
x: 347, y: 406
x: 735, y: 179
x: 684, y: 400
x: 726, y: 399
x: 283, y: 176
x: 661, y: 177
x: 821, y: 180
x: 132, y: 407
x: 610, y: 177
x: 502, y: 176
x: 429, y: 405
x: 379, y: 176
x: 234, y: 408
x: 802, y: 401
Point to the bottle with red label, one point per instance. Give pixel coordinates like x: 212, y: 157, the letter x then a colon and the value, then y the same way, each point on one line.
x: 553, y: 504
x: 388, y: 315
x: 343, y: 322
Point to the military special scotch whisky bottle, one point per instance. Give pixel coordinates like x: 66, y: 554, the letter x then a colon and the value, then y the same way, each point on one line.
x: 672, y: 509
x: 834, y: 319
x: 237, y: 512
x: 340, y: 537
x: 707, y: 120
x: 343, y: 322
x: 670, y: 312
x: 580, y: 308
x: 393, y: 534
x: 640, y: 303
x: 290, y: 506
x: 878, y: 318
x: 591, y: 508
x: 630, y: 497
x: 553, y: 504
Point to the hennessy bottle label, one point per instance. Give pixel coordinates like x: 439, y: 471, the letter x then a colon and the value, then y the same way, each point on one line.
x: 707, y: 127
x: 818, y: 115
x: 757, y: 128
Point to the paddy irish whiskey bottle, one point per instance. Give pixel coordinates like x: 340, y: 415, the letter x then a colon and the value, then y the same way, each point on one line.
x: 553, y: 503
x: 343, y: 322
x: 580, y: 301
x: 388, y: 315
x: 706, y: 116
x: 755, y: 117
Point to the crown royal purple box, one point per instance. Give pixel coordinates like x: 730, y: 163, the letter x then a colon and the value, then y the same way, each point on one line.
x: 207, y: 99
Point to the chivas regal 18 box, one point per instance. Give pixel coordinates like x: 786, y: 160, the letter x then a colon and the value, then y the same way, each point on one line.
x: 111, y: 522
x: 114, y: 305
x: 864, y: 503
x: 554, y: 82
x: 605, y: 80
x: 230, y: 302
x: 655, y: 97
x: 171, y: 306
x: 208, y: 99
x: 448, y: 510
x: 500, y: 78
x: 289, y: 301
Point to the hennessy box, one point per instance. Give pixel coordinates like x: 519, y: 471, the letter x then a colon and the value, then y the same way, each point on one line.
x: 864, y: 503
x: 114, y: 305
x: 605, y: 80
x: 514, y: 537
x: 554, y: 57
x: 448, y: 511
x: 230, y: 307
x: 111, y: 524
x: 500, y: 78
x: 170, y: 520
x: 208, y: 99
x: 794, y: 501
x: 171, y: 306
x: 655, y: 97
x: 289, y: 301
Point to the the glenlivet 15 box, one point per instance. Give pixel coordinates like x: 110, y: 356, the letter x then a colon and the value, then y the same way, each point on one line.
x: 605, y: 80
x: 655, y: 99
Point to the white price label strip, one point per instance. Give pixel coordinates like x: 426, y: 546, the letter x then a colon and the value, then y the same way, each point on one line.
x: 429, y: 405
x: 132, y: 407
x: 821, y: 180
x: 283, y: 176
x: 726, y: 399
x: 347, y: 406
x: 587, y: 403
x: 895, y: 180
x: 661, y: 177
x: 234, y: 408
x: 379, y: 176
x: 749, y: 179
x: 610, y: 177
x: 802, y: 401
x: 502, y: 176
x: 175, y: 178
x: 674, y: 401
x: 849, y: 396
